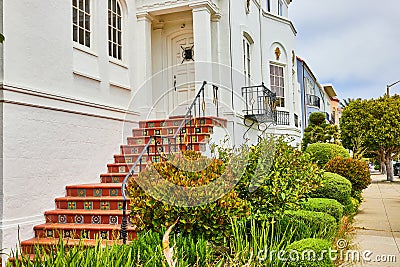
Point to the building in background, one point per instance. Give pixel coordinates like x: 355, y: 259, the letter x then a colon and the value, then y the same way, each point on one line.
x: 336, y: 111
x: 314, y: 96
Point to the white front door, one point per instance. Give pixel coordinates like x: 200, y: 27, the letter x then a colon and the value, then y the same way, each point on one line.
x: 182, y: 74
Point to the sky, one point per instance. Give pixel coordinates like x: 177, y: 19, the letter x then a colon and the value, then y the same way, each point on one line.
x: 352, y: 44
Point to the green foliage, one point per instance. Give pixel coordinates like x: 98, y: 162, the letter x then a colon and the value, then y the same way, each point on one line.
x: 323, y: 152
x: 317, y: 118
x: 2, y: 38
x: 336, y: 187
x: 376, y: 123
x: 254, y: 243
x: 309, y: 252
x: 356, y: 171
x: 326, y: 205
x: 149, y: 212
x: 144, y: 251
x: 291, y: 178
x: 310, y: 224
x: 318, y: 131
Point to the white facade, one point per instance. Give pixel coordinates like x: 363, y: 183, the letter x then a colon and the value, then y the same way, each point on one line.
x: 66, y: 107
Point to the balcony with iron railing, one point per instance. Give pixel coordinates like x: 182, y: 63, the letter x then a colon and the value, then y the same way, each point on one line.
x: 313, y: 100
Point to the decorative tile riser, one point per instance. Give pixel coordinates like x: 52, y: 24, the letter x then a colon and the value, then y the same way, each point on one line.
x: 95, y: 192
x: 87, y: 219
x: 129, y: 150
x: 81, y: 233
x: 196, y: 137
x: 89, y: 205
x: 169, y: 132
x: 177, y: 122
x: 112, y: 177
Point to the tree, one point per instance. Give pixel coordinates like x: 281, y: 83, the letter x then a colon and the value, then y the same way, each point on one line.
x: 318, y: 131
x: 346, y: 102
x: 374, y: 125
x: 1, y: 38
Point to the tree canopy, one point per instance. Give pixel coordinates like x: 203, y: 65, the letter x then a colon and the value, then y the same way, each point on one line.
x: 373, y: 125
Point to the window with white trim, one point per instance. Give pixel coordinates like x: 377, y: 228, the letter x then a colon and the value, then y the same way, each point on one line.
x: 81, y: 22
x: 247, y: 61
x: 278, y: 84
x: 268, y: 6
x: 114, y: 29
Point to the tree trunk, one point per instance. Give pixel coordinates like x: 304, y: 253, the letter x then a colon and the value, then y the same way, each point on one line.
x: 389, y: 168
x: 383, y: 167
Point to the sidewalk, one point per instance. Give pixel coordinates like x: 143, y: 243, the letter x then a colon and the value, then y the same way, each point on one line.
x: 378, y: 222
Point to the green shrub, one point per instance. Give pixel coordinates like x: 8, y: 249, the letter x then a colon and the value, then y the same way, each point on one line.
x: 212, y: 220
x: 336, y: 187
x: 324, y: 152
x: 326, y: 205
x: 356, y: 171
x: 310, y: 224
x: 281, y: 186
x: 309, y: 252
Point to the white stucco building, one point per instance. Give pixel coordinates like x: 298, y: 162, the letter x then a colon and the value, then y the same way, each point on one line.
x: 77, y: 75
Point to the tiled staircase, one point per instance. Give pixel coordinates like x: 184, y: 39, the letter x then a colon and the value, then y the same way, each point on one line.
x: 90, y: 211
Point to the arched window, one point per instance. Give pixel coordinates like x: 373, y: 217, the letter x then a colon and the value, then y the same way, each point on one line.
x: 114, y: 29
x: 278, y: 83
x: 81, y: 22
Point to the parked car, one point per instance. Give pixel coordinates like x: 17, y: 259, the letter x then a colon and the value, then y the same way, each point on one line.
x: 396, y: 168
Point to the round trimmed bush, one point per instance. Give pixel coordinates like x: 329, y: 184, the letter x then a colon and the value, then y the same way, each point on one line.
x: 326, y: 205
x: 310, y: 224
x: 308, y: 252
x: 356, y: 171
x: 335, y: 187
x: 324, y: 152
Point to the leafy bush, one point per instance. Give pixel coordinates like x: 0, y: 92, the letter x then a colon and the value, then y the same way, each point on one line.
x: 146, y: 250
x: 309, y: 252
x: 356, y: 171
x: 282, y: 178
x: 172, y: 196
x: 312, y: 224
x: 324, y: 152
x: 336, y: 187
x: 326, y: 205
x: 317, y: 118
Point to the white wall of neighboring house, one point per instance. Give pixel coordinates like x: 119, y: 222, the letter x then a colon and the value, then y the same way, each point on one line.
x: 66, y: 108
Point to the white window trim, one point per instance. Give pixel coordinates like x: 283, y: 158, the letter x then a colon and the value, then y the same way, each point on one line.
x: 285, y: 81
x: 77, y: 25
x: 114, y: 58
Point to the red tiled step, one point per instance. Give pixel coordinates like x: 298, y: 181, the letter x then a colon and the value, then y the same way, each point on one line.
x: 170, y: 131
x: 176, y: 121
x: 94, y: 190
x: 137, y: 149
x: 89, y: 203
x: 167, y: 139
x: 113, y: 177
x: 84, y: 231
x: 84, y: 216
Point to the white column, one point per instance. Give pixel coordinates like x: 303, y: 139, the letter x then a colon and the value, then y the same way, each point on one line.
x: 144, y: 95
x: 202, y: 43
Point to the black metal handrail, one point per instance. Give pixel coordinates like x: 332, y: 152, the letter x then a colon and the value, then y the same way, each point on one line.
x: 197, y: 107
x: 138, y: 162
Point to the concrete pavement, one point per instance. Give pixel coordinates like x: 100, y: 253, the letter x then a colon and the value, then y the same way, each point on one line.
x: 378, y: 223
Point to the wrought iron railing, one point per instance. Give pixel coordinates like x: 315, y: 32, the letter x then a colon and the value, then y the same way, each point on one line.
x: 260, y: 104
x: 282, y: 118
x: 313, y: 100
x: 175, y: 143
